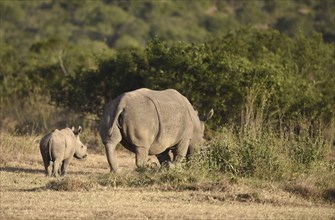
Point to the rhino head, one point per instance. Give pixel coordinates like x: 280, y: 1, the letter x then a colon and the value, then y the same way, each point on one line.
x: 198, y: 132
x: 80, y: 148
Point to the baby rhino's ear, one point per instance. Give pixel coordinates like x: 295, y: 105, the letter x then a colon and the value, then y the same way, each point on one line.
x: 77, y: 131
x: 80, y: 129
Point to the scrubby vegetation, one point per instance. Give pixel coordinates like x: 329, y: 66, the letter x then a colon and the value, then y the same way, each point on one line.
x: 265, y: 67
x: 302, y: 165
x: 281, y: 79
x: 78, y: 55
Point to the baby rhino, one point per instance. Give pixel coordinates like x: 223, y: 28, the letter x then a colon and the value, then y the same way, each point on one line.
x: 60, y: 146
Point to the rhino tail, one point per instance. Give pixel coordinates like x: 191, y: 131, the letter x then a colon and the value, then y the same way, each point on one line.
x: 117, y: 119
x: 50, y: 142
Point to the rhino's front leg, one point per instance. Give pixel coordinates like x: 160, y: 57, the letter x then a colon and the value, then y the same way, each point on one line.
x: 65, y: 165
x: 180, y: 151
x: 190, y: 152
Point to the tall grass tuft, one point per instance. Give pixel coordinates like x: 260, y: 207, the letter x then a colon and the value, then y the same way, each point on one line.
x: 36, y: 115
x: 301, y: 159
x: 12, y: 147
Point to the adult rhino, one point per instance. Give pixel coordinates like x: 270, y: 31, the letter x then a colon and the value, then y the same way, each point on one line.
x: 149, y: 122
x: 60, y: 146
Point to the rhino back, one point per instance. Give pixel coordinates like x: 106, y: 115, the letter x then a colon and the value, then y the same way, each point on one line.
x: 165, y: 114
x: 62, y: 144
x: 139, y: 120
x: 70, y: 142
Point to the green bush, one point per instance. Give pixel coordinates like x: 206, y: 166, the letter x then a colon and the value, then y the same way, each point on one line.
x: 289, y: 79
x: 55, y: 48
x: 264, y: 156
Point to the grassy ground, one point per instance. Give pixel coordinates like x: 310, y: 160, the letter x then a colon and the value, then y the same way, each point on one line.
x: 26, y: 193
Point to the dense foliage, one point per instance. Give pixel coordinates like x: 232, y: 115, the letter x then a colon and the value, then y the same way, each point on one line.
x: 283, y: 78
x: 78, y: 54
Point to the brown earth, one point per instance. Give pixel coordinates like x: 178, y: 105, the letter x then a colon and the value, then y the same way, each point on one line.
x: 23, y: 194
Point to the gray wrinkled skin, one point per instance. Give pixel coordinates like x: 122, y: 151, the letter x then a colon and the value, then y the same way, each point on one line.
x: 60, y: 146
x: 149, y: 122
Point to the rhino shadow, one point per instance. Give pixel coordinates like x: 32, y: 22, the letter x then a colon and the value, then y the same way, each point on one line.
x: 37, y: 171
x: 19, y: 169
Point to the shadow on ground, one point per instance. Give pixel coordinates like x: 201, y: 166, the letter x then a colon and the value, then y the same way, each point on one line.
x: 29, y: 170
x: 20, y: 169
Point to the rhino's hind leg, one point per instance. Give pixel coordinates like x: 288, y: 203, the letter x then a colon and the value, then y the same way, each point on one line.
x: 142, y: 156
x: 46, y: 162
x: 47, y: 167
x: 110, y: 148
x: 60, y: 168
x: 55, y: 167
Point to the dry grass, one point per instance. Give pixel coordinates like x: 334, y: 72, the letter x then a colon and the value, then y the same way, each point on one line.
x: 12, y: 148
x: 26, y: 193
x: 27, y: 198
x: 70, y: 184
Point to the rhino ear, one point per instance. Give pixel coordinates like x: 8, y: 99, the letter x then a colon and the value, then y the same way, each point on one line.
x: 209, y: 115
x: 80, y: 129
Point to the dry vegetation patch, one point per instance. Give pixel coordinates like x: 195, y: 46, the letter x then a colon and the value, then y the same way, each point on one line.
x: 18, y: 148
x: 90, y: 191
x: 69, y: 184
x: 329, y: 195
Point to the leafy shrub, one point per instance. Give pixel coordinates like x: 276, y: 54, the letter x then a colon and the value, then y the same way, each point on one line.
x: 265, y: 155
x: 285, y: 77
